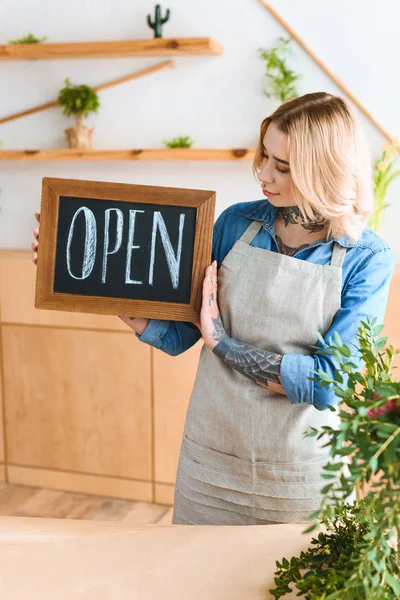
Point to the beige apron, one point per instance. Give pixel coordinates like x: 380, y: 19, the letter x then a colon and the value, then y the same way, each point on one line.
x: 244, y: 460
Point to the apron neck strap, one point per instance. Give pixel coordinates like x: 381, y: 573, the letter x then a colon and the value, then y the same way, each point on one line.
x: 338, y: 254
x: 251, y: 232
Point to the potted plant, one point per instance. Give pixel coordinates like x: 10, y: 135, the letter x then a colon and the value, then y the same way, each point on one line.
x: 280, y: 79
x: 79, y: 101
x: 29, y: 39
x: 179, y: 142
x: 158, y: 21
x: 384, y: 173
x: 357, y: 556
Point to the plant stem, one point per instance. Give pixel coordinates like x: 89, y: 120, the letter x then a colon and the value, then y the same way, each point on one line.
x: 388, y: 441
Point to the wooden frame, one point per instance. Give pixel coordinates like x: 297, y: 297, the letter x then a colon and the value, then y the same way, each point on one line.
x: 47, y: 298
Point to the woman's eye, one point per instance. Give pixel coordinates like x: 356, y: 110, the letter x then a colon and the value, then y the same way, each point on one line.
x: 277, y: 168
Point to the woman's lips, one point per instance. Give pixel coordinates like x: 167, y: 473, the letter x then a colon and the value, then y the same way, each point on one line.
x: 267, y: 193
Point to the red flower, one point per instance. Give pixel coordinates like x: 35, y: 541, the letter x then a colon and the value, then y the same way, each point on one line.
x: 391, y: 405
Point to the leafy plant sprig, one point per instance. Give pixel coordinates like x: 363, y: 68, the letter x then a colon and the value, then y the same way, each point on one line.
x: 77, y: 100
x: 384, y: 173
x: 28, y: 39
x: 280, y: 79
x: 356, y: 557
x: 179, y: 142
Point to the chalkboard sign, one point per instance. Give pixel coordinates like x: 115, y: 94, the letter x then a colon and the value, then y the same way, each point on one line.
x: 123, y: 249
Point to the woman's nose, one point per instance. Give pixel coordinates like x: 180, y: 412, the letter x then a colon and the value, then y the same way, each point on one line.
x: 266, y: 176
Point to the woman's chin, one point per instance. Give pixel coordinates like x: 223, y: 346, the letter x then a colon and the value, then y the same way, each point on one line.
x: 278, y: 202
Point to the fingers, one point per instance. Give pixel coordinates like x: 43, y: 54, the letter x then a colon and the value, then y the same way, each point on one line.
x: 35, y: 244
x: 36, y: 230
x: 213, y: 275
x: 210, y: 284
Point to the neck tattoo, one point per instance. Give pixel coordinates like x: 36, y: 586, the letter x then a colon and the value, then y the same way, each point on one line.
x: 291, y: 215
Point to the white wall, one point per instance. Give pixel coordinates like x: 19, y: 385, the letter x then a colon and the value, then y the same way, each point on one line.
x: 217, y: 100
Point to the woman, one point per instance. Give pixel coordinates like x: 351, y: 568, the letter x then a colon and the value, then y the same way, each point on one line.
x: 286, y: 267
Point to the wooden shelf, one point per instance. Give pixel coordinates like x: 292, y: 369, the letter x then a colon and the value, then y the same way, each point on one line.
x: 112, y: 49
x: 139, y: 154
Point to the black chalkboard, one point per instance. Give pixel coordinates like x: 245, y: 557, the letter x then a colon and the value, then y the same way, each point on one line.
x: 124, y: 249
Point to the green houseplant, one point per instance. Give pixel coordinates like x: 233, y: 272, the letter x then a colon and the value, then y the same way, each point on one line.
x: 179, y: 142
x: 28, y: 39
x: 384, y: 172
x: 280, y: 79
x: 357, y: 556
x: 158, y: 21
x: 79, y: 101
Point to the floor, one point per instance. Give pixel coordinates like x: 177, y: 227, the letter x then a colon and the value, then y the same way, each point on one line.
x: 24, y: 501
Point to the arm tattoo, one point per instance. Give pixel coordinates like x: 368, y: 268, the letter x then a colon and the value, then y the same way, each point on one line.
x: 256, y: 363
x: 218, y: 333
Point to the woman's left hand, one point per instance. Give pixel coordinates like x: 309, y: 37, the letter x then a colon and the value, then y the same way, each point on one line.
x: 211, y: 327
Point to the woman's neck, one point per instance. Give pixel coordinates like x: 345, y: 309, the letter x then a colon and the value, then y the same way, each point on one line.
x: 291, y: 215
x: 293, y: 233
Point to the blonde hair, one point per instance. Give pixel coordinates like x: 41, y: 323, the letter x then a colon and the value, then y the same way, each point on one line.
x: 329, y: 161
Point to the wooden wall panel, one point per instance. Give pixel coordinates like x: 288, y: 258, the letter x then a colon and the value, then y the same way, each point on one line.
x: 86, y: 484
x: 392, y: 319
x: 78, y: 401
x: 17, y: 298
x: 2, y: 457
x: 164, y: 494
x: 173, y: 382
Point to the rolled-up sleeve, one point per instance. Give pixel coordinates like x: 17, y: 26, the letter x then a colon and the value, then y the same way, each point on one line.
x: 171, y: 337
x: 366, y: 295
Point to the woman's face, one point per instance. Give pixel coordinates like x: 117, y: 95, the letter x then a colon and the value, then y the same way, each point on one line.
x: 275, y: 177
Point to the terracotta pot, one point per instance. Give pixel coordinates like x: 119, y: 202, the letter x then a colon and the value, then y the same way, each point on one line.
x: 79, y: 136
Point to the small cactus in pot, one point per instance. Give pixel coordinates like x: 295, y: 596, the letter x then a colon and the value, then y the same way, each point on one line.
x: 158, y: 21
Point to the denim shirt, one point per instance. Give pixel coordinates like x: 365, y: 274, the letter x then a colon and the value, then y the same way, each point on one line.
x: 366, y: 273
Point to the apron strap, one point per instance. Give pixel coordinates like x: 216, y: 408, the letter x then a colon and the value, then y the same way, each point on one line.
x: 338, y: 254
x: 251, y: 232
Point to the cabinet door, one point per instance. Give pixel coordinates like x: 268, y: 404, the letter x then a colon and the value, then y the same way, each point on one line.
x: 78, y: 400
x: 17, y: 299
x: 392, y: 316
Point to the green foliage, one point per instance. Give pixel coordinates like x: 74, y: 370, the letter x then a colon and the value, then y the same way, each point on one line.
x: 355, y: 558
x: 158, y: 21
x: 179, y: 142
x: 77, y: 100
x: 29, y: 39
x: 326, y: 570
x: 384, y: 172
x: 280, y: 79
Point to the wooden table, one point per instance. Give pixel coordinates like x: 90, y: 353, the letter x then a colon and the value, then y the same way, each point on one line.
x: 54, y: 559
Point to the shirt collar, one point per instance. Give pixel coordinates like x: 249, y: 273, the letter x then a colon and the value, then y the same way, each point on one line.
x: 266, y: 212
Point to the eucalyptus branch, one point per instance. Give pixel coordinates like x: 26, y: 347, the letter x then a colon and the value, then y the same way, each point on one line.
x: 356, y: 558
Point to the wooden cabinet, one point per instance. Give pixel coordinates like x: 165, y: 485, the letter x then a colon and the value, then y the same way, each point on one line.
x: 78, y: 400
x: 87, y: 406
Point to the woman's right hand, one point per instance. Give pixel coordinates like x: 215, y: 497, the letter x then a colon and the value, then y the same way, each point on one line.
x: 35, y: 244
